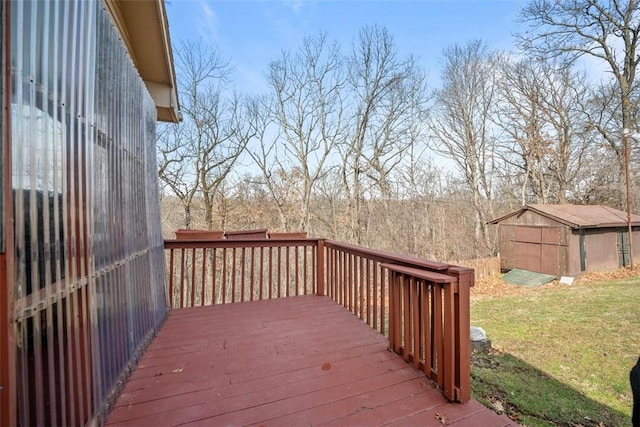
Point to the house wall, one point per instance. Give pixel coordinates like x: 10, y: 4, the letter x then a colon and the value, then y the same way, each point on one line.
x: 88, y: 276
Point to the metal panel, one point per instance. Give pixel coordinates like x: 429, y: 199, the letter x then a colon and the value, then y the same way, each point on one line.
x: 528, y: 234
x: 505, y: 244
x: 549, y: 259
x: 527, y: 255
x: 551, y: 236
x: 602, y: 248
x: 7, y: 351
x: 540, y: 249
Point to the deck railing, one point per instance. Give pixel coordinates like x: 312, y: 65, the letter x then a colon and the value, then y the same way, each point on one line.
x: 206, y: 272
x: 422, y: 306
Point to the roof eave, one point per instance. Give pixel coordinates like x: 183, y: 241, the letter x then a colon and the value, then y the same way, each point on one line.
x: 144, y: 28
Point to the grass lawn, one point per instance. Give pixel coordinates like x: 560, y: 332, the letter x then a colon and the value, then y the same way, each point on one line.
x: 563, y: 353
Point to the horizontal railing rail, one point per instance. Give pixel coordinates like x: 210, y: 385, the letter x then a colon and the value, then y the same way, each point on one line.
x: 207, y: 272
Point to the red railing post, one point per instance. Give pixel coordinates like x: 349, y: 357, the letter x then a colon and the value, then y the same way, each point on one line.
x: 462, y: 335
x: 450, y: 363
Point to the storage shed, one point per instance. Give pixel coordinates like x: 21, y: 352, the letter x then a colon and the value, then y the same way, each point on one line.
x: 566, y: 240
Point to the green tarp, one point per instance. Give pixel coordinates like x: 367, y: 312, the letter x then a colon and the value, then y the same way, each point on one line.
x: 527, y: 278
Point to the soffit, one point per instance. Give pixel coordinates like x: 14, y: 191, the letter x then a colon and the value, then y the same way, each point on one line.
x: 144, y: 29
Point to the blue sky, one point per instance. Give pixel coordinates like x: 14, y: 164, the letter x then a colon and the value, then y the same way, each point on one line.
x: 252, y: 33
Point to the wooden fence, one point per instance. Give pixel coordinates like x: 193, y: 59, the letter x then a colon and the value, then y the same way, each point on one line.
x: 482, y: 267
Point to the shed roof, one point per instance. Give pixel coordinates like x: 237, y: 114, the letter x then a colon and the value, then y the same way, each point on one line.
x: 578, y: 216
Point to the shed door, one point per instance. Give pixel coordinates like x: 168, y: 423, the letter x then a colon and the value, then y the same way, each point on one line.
x: 538, y: 249
x: 623, y: 248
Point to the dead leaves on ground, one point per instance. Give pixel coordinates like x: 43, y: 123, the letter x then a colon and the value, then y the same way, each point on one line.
x: 494, y: 286
x: 441, y: 418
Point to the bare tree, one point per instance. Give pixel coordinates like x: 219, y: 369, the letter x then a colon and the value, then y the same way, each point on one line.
x: 607, y: 30
x: 387, y: 96
x: 542, y: 115
x: 264, y: 151
x: 308, y: 111
x: 226, y: 132
x: 461, y: 125
x: 175, y: 166
x: 198, y: 153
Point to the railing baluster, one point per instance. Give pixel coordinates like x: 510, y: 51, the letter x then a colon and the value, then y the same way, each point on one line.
x: 406, y: 317
x: 287, y: 270
x: 204, y: 275
x: 437, y: 334
x: 415, y: 321
x: 223, y: 281
x: 171, y: 279
x: 368, y: 294
x: 214, y: 265
x: 233, y: 275
x: 350, y: 281
x: 427, y: 327
x: 383, y: 302
x: 279, y: 276
x: 375, y: 296
x: 192, y: 284
x: 305, y: 278
x: 360, y: 287
x: 261, y: 270
x: 270, y: 273
x: 242, y: 270
x: 182, y: 269
x: 297, y: 260
x: 251, y: 273
x: 317, y: 252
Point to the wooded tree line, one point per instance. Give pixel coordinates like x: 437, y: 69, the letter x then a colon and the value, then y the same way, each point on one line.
x: 354, y: 143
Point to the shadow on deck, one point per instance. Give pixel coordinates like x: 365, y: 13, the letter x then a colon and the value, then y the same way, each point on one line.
x: 294, y: 361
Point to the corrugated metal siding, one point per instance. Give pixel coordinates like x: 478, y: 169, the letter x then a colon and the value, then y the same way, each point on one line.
x: 89, y: 266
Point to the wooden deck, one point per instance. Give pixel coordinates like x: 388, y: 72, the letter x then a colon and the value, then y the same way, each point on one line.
x: 287, y: 362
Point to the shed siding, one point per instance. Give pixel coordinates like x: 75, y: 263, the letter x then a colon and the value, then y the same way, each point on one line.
x: 635, y: 242
x: 602, y: 248
x: 505, y: 245
x: 573, y: 254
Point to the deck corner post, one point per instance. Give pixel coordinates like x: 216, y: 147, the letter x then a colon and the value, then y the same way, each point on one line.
x: 320, y: 268
x: 462, y: 315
